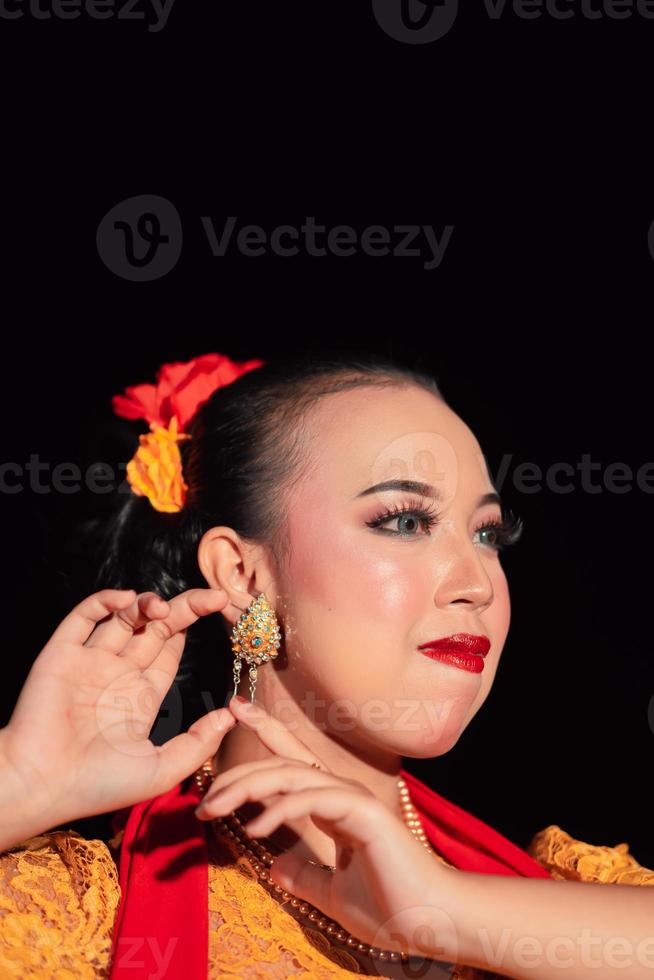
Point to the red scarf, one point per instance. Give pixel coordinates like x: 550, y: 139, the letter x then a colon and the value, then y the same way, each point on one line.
x: 163, y: 918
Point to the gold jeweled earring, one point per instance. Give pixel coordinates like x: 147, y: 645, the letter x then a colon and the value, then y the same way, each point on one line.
x: 255, y: 639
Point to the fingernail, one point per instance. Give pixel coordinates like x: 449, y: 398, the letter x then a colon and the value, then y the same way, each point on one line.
x: 241, y: 699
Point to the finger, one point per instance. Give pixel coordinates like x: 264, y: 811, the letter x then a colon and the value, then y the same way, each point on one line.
x: 168, y: 635
x: 303, y: 880
x: 114, y: 634
x: 229, y: 775
x: 273, y: 733
x: 184, y: 753
x: 259, y: 785
x: 78, y: 625
x: 346, y: 813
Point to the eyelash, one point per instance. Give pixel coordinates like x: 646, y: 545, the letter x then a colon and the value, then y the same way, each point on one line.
x: 508, y: 530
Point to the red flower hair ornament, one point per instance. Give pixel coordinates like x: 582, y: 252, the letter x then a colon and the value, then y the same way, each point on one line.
x: 155, y: 470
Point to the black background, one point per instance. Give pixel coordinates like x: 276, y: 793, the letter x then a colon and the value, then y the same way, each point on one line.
x: 533, y: 139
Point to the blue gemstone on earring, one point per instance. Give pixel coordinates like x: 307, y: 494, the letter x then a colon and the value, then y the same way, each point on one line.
x: 256, y: 642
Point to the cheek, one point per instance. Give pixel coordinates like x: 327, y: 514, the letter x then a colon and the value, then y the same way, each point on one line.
x: 353, y: 608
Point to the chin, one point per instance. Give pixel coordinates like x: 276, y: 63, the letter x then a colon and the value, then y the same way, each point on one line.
x: 434, y: 745
x: 426, y: 743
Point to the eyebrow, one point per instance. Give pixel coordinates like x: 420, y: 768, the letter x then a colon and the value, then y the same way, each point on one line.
x: 424, y: 489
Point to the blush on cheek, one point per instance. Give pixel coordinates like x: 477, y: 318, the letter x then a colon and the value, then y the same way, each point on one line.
x: 348, y: 615
x: 332, y: 568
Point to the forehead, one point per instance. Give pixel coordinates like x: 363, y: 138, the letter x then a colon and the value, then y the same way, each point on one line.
x: 367, y: 435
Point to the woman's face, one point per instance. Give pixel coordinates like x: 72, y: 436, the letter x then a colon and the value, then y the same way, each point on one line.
x: 355, y: 601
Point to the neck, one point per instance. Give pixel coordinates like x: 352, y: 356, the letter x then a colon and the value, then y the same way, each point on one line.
x: 378, y: 772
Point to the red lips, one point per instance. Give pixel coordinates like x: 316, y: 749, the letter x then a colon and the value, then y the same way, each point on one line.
x: 460, y: 643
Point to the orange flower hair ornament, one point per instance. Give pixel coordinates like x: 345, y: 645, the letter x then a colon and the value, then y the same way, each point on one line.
x: 155, y: 470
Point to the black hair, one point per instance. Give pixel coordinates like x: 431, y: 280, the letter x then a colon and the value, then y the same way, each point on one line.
x: 250, y: 443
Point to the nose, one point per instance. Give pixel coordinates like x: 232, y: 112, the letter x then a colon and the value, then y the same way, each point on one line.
x: 463, y: 577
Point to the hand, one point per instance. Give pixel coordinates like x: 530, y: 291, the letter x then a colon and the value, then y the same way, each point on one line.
x: 77, y: 743
x: 387, y: 890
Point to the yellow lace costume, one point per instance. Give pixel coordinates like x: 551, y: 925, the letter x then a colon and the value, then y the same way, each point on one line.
x: 59, y: 893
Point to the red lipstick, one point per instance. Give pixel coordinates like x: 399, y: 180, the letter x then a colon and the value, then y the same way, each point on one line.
x: 462, y: 650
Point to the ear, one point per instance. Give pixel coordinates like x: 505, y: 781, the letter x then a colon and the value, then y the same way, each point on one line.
x: 229, y: 562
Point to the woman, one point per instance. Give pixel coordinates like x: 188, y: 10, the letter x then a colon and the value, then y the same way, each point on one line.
x: 339, y: 518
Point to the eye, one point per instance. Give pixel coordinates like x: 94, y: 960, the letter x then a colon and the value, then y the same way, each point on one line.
x: 502, y: 533
x: 410, y: 516
x: 497, y: 534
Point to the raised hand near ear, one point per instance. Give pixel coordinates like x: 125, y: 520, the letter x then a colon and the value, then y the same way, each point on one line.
x: 78, y: 742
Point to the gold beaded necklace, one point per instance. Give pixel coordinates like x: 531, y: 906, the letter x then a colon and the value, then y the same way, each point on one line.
x: 261, y: 858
